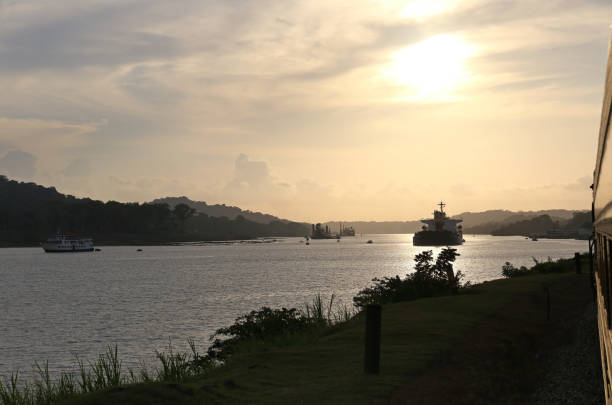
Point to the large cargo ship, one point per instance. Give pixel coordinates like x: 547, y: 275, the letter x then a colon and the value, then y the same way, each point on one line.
x: 439, y: 231
x: 61, y: 242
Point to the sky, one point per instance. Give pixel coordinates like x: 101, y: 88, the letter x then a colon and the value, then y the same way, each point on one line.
x: 309, y: 110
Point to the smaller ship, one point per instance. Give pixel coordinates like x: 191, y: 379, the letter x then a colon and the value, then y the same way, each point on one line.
x: 63, y: 242
x: 439, y: 231
x: 346, y: 230
x: 318, y: 232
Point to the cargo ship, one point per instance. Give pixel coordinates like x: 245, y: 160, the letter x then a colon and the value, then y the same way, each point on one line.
x: 439, y: 231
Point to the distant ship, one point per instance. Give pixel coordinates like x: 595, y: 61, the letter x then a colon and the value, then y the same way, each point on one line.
x: 318, y: 232
x: 439, y: 231
x: 62, y: 242
x: 346, y: 230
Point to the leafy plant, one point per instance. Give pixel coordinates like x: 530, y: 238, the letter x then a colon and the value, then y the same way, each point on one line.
x: 509, y: 271
x: 258, y: 325
x: 430, y: 278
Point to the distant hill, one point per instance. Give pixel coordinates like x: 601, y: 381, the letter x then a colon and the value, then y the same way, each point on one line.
x: 488, y: 221
x: 579, y: 226
x: 219, y: 210
x: 29, y: 213
x: 483, y: 222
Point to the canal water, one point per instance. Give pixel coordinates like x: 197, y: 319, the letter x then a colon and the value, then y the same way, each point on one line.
x: 57, y: 307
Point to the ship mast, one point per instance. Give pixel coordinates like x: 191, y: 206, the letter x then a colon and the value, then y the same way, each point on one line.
x: 442, y: 205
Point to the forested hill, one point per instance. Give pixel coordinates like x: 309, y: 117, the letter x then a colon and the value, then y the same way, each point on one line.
x: 218, y: 210
x: 29, y: 213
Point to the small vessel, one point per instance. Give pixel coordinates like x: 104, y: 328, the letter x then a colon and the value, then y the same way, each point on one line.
x: 439, y: 231
x: 370, y: 241
x: 63, y: 242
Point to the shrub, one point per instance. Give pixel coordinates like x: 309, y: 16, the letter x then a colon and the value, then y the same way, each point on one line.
x: 544, y: 267
x: 509, y: 271
x: 259, y: 325
x: 428, y: 279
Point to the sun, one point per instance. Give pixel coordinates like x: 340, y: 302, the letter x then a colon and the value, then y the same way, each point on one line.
x: 433, y: 68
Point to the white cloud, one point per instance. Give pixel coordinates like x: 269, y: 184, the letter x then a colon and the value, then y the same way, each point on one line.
x: 18, y: 164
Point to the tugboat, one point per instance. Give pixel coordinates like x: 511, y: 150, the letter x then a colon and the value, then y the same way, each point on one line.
x: 63, y: 242
x: 439, y: 231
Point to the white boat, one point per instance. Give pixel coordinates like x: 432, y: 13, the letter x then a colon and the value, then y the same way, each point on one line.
x: 67, y: 243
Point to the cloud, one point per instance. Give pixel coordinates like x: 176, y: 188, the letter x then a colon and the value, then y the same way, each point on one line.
x: 146, y: 88
x: 77, y: 168
x: 581, y: 185
x: 19, y: 164
x: 249, y: 174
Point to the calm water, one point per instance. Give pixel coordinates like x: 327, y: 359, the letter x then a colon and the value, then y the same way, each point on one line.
x: 58, y: 306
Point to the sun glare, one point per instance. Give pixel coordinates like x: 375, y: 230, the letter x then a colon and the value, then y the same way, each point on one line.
x: 433, y: 68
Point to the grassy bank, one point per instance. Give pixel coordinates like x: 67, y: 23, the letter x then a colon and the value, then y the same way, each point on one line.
x: 417, y: 336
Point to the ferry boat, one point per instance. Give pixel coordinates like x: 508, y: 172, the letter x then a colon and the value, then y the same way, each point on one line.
x: 62, y: 242
x: 439, y: 231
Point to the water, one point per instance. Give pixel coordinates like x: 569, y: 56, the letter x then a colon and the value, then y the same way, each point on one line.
x: 57, y: 306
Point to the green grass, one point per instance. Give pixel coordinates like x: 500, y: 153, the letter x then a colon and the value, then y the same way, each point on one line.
x: 327, y: 368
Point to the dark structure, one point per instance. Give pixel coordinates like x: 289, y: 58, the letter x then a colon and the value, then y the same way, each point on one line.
x: 601, y: 244
x: 439, y: 231
x: 346, y: 230
x: 318, y: 232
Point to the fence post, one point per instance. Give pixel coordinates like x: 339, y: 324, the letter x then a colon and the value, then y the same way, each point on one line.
x: 372, y: 339
x: 578, y: 264
x: 547, y: 293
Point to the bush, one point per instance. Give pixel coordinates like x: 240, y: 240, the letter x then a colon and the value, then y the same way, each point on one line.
x: 259, y: 325
x: 545, y: 267
x: 509, y: 271
x: 428, y: 279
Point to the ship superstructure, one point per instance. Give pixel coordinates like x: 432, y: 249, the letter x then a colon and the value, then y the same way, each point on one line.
x: 439, y: 231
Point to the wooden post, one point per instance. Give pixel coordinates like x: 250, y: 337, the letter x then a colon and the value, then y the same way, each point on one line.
x: 547, y: 293
x: 578, y: 264
x: 372, y: 339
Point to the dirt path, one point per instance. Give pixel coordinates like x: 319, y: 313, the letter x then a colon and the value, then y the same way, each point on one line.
x: 516, y: 356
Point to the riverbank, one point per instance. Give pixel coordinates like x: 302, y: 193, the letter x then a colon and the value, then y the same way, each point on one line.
x: 492, y: 342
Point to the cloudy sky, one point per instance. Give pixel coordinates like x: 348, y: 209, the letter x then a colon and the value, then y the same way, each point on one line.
x: 310, y: 110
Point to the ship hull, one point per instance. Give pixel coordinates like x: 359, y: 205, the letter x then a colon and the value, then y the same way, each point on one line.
x: 437, y: 238
x: 61, y: 250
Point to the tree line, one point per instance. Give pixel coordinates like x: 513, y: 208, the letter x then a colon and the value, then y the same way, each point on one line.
x: 29, y: 213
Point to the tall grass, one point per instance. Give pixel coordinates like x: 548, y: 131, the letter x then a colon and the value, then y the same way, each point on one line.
x: 103, y: 373
x: 327, y: 313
